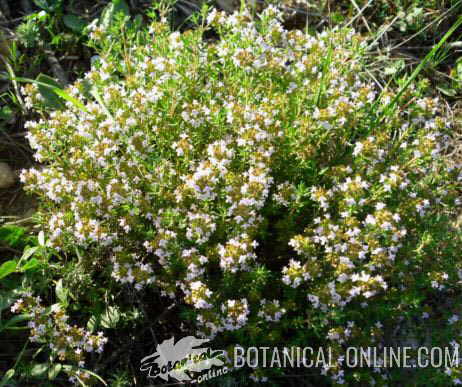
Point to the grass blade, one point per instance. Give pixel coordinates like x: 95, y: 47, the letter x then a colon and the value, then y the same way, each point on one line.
x: 420, y: 67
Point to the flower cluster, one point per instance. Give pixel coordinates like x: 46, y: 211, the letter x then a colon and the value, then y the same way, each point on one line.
x: 271, y: 310
x: 69, y: 343
x: 263, y: 165
x: 294, y: 274
x: 236, y: 313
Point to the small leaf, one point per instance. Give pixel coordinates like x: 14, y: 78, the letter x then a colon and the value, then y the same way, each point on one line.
x: 74, y: 22
x: 54, y: 370
x: 459, y: 68
x: 61, y: 292
x: 7, y: 268
x: 110, y: 318
x: 38, y: 370
x: 7, y: 377
x: 449, y: 91
x: 96, y: 95
x: 70, y: 368
x: 41, y: 238
x: 6, y: 113
x: 109, y: 13
x: 93, y: 322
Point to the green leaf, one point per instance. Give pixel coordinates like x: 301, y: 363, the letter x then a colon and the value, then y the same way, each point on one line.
x: 70, y: 99
x: 54, y: 370
x: 31, y: 264
x: 109, y: 13
x: 48, y: 5
x: 28, y: 252
x: 38, y: 370
x: 61, y: 292
x: 431, y: 55
x: 74, y: 368
x: 13, y: 321
x: 7, y: 298
x: 459, y: 68
x: 446, y: 90
x: 46, y: 86
x: 12, y: 235
x: 110, y: 317
x: 53, y: 88
x: 7, y: 377
x: 41, y: 238
x: 93, y: 322
x: 7, y: 268
x: 6, y: 113
x: 95, y: 94
x: 74, y: 22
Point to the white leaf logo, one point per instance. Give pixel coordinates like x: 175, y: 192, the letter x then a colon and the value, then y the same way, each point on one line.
x: 168, y: 359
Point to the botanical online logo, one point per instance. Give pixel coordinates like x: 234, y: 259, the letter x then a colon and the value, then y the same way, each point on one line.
x: 183, y: 360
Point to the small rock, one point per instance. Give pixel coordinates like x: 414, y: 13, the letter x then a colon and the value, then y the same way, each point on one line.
x: 7, y: 176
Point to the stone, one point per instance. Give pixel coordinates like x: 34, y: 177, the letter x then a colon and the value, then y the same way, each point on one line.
x: 7, y: 176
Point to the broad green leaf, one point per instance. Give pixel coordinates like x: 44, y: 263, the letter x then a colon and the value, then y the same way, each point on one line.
x: 28, y: 252
x: 31, y: 264
x: 52, y: 88
x: 74, y: 22
x: 11, y: 235
x: 48, y: 5
x: 7, y: 268
x: 46, y: 86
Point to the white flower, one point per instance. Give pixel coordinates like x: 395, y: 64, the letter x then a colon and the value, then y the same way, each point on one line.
x: 370, y: 219
x: 358, y: 148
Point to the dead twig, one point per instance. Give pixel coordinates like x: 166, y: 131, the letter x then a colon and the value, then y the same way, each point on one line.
x: 56, y: 68
x: 10, y: 249
x: 360, y: 12
x: 437, y: 20
x: 20, y: 221
x: 11, y: 21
